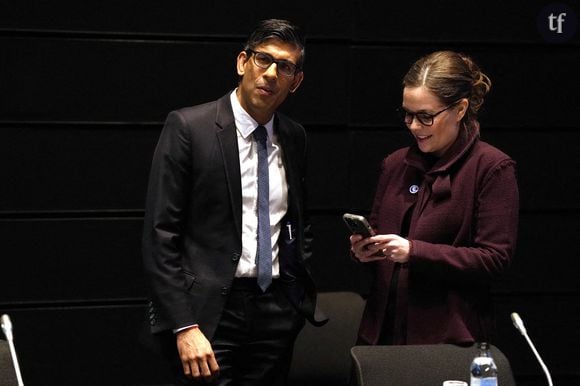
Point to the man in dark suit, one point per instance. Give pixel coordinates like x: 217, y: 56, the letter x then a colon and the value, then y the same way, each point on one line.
x: 228, y: 303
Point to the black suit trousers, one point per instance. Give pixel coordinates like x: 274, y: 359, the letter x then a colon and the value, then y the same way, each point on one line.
x: 254, y: 340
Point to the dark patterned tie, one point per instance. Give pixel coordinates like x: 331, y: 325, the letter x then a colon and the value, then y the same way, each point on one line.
x: 264, y: 253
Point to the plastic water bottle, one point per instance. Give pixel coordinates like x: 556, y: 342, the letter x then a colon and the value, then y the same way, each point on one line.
x: 483, y: 369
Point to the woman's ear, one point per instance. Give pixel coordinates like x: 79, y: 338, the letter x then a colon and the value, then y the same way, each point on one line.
x: 463, y: 105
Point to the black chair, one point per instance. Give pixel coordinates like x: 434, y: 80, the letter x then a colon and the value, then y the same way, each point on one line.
x: 421, y: 365
x: 321, y: 354
x: 7, y: 373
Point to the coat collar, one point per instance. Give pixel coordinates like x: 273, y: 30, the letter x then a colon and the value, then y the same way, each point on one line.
x: 437, y: 171
x: 430, y: 165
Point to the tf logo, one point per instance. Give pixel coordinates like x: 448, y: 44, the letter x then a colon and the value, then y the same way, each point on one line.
x: 557, y: 23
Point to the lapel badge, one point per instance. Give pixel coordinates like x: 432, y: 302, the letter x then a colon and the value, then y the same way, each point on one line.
x: 413, y: 189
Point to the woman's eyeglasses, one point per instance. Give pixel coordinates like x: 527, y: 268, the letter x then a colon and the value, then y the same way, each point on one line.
x: 425, y: 119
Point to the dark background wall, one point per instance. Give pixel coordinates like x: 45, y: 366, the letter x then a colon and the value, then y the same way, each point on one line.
x: 85, y: 88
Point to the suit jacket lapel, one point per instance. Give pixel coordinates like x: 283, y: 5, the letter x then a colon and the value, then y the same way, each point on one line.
x: 228, y: 141
x: 288, y: 157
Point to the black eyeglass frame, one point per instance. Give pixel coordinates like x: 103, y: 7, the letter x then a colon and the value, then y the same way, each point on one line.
x: 422, y: 116
x: 295, y: 68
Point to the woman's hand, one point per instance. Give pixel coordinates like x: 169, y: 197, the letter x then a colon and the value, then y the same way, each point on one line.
x: 391, y: 246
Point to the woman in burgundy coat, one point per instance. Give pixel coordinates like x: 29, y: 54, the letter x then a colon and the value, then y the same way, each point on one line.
x: 445, y: 213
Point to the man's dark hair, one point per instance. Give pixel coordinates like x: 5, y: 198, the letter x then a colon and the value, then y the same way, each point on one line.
x: 277, y: 29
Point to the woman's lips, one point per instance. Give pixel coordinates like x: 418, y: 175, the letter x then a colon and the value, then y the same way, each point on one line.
x: 421, y: 138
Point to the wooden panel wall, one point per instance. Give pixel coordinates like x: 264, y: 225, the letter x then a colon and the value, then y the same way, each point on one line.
x: 86, y: 86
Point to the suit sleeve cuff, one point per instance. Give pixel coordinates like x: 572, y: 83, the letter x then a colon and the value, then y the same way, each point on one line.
x: 176, y: 330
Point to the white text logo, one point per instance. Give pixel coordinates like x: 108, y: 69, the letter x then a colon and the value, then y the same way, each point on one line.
x: 559, y: 21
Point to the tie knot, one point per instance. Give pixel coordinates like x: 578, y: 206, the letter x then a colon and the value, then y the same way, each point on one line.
x: 260, y: 134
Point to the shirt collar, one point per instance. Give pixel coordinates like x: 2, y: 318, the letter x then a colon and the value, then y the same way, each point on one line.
x: 245, y: 124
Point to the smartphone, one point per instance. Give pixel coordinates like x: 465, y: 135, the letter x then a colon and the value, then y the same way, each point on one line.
x: 358, y: 225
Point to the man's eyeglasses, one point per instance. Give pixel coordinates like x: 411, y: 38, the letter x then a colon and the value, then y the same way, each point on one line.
x: 425, y: 119
x: 284, y: 67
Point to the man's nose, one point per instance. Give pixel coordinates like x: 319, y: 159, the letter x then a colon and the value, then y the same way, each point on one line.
x: 272, y: 70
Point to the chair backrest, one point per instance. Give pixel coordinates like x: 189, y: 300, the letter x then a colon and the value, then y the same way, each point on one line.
x: 421, y: 365
x: 7, y: 373
x: 321, y: 354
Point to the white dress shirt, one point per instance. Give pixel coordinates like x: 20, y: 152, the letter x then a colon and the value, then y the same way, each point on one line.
x: 248, y: 154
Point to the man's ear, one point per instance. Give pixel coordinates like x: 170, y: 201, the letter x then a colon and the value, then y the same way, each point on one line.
x: 298, y: 78
x: 241, y: 62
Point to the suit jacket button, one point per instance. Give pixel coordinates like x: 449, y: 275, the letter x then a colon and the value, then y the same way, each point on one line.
x: 235, y: 256
x: 225, y: 290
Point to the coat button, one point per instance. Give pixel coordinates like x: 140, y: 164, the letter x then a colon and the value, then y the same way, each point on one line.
x: 225, y: 290
x: 235, y: 256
